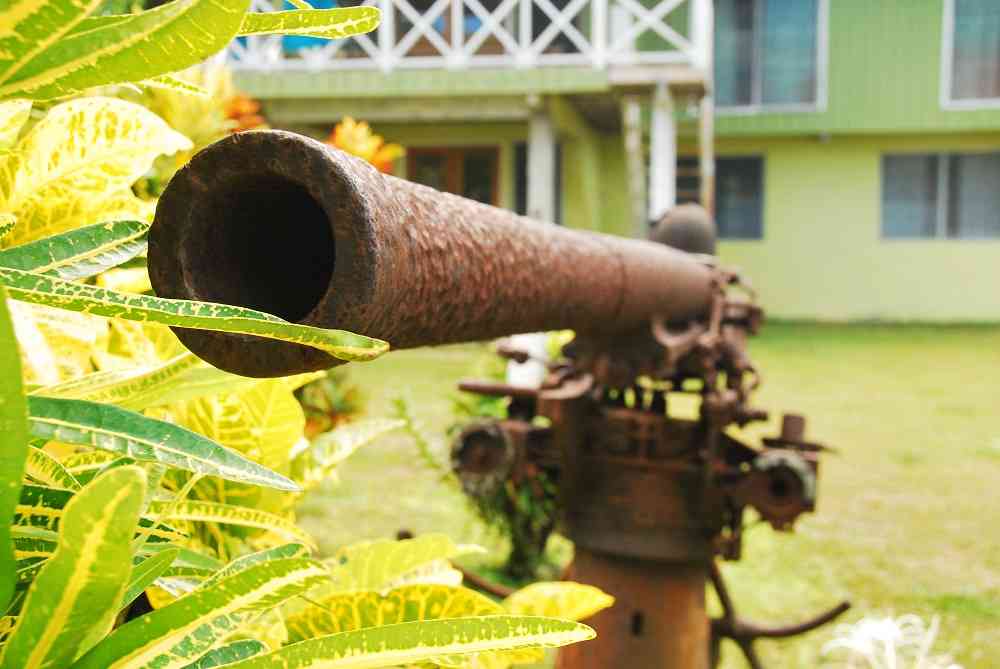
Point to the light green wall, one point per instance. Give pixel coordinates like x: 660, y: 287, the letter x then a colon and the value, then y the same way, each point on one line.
x: 884, y: 76
x: 822, y: 255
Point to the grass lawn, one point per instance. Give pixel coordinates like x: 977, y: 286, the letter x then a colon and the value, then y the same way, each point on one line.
x: 909, y: 507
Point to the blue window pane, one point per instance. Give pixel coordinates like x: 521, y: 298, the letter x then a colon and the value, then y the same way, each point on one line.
x: 974, y: 199
x: 740, y: 198
x: 976, y: 56
x: 909, y: 196
x: 788, y: 51
x: 734, y: 52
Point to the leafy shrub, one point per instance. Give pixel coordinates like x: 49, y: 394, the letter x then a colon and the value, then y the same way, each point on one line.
x: 122, y: 455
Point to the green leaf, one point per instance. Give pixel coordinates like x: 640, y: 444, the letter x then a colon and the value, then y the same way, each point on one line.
x: 111, y: 50
x: 230, y: 514
x: 238, y: 650
x: 80, y: 253
x: 31, y: 26
x: 187, y: 563
x: 76, y: 594
x: 13, y: 445
x: 378, y: 565
x: 333, y: 447
x: 563, y: 599
x: 121, y: 431
x: 146, y: 572
x: 414, y: 642
x: 357, y: 610
x: 178, y: 634
x: 172, y: 83
x: 45, y: 469
x: 7, y: 223
x: 327, y: 23
x: 186, y: 314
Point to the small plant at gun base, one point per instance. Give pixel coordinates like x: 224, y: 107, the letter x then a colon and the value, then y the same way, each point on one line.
x: 888, y: 643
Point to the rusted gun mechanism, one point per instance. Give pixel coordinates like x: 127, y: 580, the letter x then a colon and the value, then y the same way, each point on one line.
x: 278, y: 222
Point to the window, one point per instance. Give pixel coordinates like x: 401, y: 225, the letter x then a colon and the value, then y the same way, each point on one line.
x: 739, y: 197
x: 971, y: 51
x: 953, y: 196
x: 469, y: 172
x: 768, y: 52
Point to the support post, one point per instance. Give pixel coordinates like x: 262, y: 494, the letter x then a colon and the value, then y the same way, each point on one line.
x: 663, y: 154
x: 542, y: 166
x: 706, y: 154
x: 635, y: 167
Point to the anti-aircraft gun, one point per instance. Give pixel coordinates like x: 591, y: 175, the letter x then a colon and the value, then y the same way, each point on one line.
x: 284, y: 224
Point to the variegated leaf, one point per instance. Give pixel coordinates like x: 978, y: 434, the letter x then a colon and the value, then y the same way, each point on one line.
x: 357, y: 610
x: 183, y: 313
x: 229, y: 514
x: 415, y: 642
x: 44, y: 508
x: 108, y: 50
x: 13, y: 115
x: 245, y: 562
x: 113, y: 429
x: 562, y: 599
x: 178, y: 634
x: 375, y: 565
x: 80, y: 253
x: 31, y: 26
x: 75, y: 596
x: 327, y: 23
x: 237, y: 650
x: 48, y: 471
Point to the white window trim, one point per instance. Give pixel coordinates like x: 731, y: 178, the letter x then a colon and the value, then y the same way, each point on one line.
x: 822, y: 76
x: 763, y: 197
x: 947, y: 68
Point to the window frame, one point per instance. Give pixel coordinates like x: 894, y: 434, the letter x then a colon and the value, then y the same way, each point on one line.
x: 943, y: 204
x: 822, y: 74
x: 948, y: 68
x: 762, y: 157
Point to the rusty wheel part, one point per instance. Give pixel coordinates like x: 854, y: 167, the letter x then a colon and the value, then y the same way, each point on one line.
x: 483, y: 458
x: 744, y: 633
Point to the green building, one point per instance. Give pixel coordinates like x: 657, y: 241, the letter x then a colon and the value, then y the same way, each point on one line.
x: 854, y: 145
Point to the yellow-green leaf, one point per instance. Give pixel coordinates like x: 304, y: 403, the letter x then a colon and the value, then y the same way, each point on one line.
x: 87, y: 148
x: 114, y: 429
x: 230, y: 514
x: 414, y: 642
x: 326, y: 23
x: 31, y: 26
x: 187, y: 314
x: 13, y: 115
x: 108, y: 50
x: 80, y: 253
x: 45, y: 469
x: 561, y: 599
x: 178, y: 634
x: 356, y: 610
x: 76, y: 593
x: 375, y: 565
x: 146, y: 572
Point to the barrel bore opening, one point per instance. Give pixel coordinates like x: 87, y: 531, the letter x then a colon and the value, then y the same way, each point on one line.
x: 264, y: 243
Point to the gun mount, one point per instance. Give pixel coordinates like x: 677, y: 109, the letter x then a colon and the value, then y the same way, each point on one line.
x: 281, y: 223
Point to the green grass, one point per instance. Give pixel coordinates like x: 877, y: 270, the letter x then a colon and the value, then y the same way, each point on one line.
x: 909, y: 506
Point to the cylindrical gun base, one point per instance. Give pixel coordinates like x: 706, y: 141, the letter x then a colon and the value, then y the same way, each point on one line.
x: 658, y: 620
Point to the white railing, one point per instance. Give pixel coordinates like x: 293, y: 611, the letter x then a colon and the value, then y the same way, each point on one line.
x: 460, y: 34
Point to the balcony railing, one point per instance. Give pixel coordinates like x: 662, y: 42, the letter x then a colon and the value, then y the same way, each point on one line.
x: 464, y: 34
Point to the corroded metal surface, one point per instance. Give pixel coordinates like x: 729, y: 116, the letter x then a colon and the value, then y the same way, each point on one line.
x: 407, y: 264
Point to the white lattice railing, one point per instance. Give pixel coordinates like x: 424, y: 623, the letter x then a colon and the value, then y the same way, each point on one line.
x: 459, y: 34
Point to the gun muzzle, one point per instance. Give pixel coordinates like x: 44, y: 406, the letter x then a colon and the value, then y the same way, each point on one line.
x: 284, y: 224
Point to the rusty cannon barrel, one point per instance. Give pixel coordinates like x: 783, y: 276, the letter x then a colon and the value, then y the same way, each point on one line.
x: 282, y: 223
